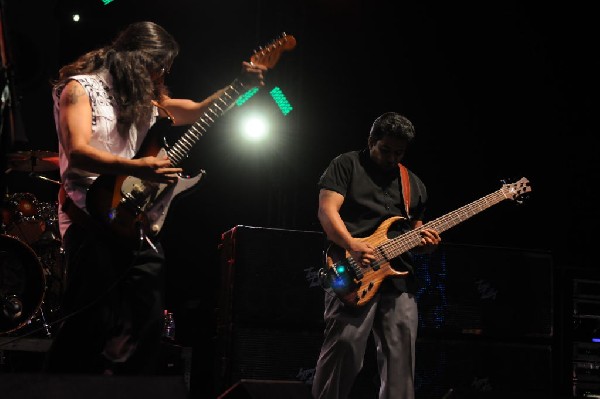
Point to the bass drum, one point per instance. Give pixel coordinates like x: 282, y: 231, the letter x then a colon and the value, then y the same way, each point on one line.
x: 21, y: 217
x: 22, y: 284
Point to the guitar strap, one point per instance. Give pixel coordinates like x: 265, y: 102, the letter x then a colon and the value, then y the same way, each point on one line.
x: 405, y: 182
x: 166, y: 111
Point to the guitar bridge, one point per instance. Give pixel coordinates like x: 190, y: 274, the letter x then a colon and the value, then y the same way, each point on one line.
x: 137, y: 194
x: 131, y: 203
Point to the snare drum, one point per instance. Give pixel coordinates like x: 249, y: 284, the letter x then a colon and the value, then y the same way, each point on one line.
x: 21, y: 218
x: 22, y: 284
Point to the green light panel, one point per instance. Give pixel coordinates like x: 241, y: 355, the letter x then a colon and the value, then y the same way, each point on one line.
x: 246, y: 96
x: 281, y: 101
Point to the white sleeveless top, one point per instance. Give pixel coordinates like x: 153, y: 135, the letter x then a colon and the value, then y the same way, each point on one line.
x: 105, y: 137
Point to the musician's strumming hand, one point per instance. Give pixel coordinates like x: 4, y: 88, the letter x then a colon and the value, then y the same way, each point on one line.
x: 362, y: 252
x: 252, y: 74
x: 157, y: 169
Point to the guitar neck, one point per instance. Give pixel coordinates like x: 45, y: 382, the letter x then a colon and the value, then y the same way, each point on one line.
x: 409, y: 240
x: 179, y: 151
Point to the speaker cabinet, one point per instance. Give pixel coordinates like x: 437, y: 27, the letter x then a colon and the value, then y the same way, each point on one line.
x: 272, y: 354
x: 470, y: 368
x: 486, y: 291
x: 38, y: 386
x: 270, y: 313
x: 267, y: 389
x: 483, y: 369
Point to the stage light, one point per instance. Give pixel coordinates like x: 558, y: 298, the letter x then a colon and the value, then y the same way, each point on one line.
x: 255, y: 127
x: 281, y: 101
x: 105, y: 2
x: 76, y: 17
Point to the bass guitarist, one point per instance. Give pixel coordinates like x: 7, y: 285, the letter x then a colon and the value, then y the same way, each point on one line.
x: 358, y: 191
x: 105, y: 103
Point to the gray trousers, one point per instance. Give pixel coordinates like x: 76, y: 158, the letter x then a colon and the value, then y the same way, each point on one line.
x: 393, y: 318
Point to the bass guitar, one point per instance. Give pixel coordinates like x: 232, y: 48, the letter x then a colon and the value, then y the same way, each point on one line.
x: 355, y: 285
x: 135, y: 209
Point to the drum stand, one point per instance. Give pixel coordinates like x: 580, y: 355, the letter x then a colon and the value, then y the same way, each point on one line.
x: 45, y: 324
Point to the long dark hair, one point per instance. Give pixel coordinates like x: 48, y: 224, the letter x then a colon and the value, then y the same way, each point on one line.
x: 137, y: 60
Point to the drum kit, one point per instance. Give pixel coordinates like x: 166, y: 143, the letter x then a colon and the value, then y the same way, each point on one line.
x: 32, y: 270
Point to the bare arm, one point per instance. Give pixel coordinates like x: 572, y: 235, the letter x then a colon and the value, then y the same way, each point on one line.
x: 186, y: 112
x: 330, y: 203
x: 76, y: 133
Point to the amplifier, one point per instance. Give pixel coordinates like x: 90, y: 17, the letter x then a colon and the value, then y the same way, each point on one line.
x: 270, y: 307
x: 486, y: 291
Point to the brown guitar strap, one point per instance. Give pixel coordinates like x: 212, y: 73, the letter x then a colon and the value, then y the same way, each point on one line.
x: 166, y: 111
x: 405, y: 182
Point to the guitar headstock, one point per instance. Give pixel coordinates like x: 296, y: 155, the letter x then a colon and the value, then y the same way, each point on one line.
x: 269, y: 54
x: 518, y: 190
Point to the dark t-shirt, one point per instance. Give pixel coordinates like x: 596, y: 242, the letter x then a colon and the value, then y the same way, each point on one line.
x: 372, y: 196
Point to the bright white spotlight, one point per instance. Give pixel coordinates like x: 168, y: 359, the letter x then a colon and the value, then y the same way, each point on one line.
x: 255, y: 127
x: 76, y: 17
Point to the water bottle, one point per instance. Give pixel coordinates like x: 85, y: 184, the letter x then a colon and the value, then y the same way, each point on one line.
x: 169, y: 326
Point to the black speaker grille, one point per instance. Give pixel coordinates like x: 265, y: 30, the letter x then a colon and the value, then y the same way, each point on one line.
x: 273, y: 277
x: 480, y: 369
x: 275, y: 354
x: 488, y: 291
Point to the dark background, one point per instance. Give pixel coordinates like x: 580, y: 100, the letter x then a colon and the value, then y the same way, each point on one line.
x: 495, y: 90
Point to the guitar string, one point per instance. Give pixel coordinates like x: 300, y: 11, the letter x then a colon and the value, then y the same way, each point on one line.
x: 411, y: 239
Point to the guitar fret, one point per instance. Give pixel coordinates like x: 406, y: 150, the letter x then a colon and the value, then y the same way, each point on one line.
x: 178, y: 156
x: 195, y: 128
x: 184, y: 150
x: 216, y: 115
x: 189, y: 141
x: 188, y: 145
x: 223, y: 100
x: 173, y: 158
x: 211, y: 119
x: 203, y: 123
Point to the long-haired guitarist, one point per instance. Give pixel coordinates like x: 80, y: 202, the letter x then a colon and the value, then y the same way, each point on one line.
x: 359, y: 192
x: 105, y: 103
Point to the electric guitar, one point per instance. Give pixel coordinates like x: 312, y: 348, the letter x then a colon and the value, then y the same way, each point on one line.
x: 133, y: 208
x: 356, y: 285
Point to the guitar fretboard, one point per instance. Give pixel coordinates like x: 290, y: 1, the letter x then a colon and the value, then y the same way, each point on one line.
x: 411, y: 239
x: 179, y: 151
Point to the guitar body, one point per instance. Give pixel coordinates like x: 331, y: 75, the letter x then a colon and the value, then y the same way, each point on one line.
x: 130, y: 206
x: 354, y: 284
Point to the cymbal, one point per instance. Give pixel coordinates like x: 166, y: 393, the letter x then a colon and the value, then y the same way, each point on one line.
x: 32, y: 161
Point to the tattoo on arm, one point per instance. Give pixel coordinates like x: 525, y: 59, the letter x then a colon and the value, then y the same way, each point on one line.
x: 73, y: 94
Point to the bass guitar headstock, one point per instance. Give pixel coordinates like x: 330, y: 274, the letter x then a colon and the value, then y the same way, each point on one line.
x: 517, y: 191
